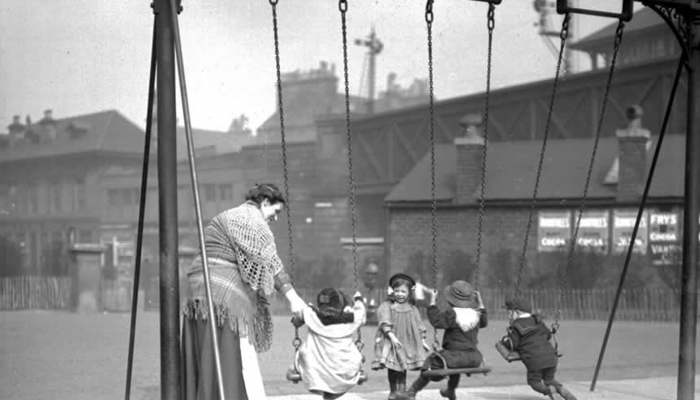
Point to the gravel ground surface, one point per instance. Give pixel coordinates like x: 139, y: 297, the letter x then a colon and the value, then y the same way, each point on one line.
x: 60, y: 355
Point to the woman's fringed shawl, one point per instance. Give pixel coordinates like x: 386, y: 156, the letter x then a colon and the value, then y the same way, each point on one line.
x: 243, y: 261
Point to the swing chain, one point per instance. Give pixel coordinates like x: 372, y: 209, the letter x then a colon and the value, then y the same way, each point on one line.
x: 296, y: 342
x: 523, y: 255
x: 564, y: 34
x: 343, y: 7
x: 358, y: 342
x: 599, y: 129
x: 491, y: 23
x: 555, y: 325
x: 429, y: 12
x: 285, y: 166
x: 431, y: 121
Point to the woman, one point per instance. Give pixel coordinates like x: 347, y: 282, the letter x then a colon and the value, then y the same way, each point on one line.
x: 244, y: 269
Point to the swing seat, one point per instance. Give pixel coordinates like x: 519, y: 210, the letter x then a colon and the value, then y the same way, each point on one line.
x: 506, y: 353
x: 445, y: 371
x: 510, y: 355
x: 429, y: 373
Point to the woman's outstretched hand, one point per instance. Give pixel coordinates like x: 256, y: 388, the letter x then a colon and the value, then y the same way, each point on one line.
x: 296, y: 303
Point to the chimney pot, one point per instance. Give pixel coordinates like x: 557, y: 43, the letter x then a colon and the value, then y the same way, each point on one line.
x: 48, y: 115
x: 633, y: 147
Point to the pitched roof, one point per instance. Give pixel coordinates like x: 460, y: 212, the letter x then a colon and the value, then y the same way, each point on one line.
x: 642, y: 20
x: 110, y: 131
x: 511, y: 169
x: 207, y: 142
x: 106, y: 131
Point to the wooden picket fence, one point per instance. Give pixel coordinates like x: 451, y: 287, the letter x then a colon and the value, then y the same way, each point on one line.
x: 644, y: 304
x: 35, y: 292
x: 39, y: 292
x: 573, y: 304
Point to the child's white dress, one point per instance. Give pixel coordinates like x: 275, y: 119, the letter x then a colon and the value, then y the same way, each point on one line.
x: 329, y: 361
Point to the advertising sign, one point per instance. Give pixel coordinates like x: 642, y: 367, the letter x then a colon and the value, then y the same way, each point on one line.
x: 593, y: 232
x: 623, y: 224
x: 665, y: 237
x: 553, y: 230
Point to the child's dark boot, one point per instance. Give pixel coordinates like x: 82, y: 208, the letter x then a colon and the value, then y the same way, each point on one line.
x: 565, y: 393
x: 392, y: 384
x: 416, y: 387
x: 449, y: 392
x: 401, y: 383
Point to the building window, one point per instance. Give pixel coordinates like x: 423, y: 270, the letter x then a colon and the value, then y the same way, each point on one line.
x: 79, y: 195
x: 33, y: 194
x: 135, y: 196
x: 85, y: 236
x: 55, y: 198
x: 113, y: 197
x: 225, y: 192
x: 5, y: 206
x: 209, y: 192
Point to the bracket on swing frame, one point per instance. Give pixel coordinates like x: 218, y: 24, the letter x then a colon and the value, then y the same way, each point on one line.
x: 625, y: 14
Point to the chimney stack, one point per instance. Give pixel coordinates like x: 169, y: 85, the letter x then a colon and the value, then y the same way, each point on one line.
x: 469, y: 157
x: 48, y: 117
x: 633, y: 144
x: 15, y: 128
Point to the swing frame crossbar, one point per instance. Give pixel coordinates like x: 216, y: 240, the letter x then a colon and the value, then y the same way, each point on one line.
x: 625, y: 15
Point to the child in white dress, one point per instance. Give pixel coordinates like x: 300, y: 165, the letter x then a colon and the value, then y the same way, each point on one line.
x: 329, y: 361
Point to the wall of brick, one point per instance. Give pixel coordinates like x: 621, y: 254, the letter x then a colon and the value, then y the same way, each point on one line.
x: 409, y: 232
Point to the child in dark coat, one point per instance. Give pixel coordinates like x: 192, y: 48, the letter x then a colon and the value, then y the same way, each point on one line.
x: 461, y: 320
x: 530, y: 337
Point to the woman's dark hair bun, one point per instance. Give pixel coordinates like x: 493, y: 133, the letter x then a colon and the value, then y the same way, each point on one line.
x: 262, y: 191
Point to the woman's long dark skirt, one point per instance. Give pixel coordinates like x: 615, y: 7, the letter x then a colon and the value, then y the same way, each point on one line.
x: 198, y: 368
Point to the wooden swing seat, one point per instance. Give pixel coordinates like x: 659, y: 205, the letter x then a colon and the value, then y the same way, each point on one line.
x: 445, y: 371
x: 510, y: 355
x: 430, y: 373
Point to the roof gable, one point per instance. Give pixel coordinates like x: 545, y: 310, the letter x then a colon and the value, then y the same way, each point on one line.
x: 107, y: 131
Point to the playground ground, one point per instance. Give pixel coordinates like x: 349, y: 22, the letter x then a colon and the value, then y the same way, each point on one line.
x: 61, y: 355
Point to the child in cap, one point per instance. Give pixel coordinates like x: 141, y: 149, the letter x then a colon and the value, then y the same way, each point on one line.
x: 529, y: 336
x: 461, y: 319
x: 329, y: 361
x: 400, y: 341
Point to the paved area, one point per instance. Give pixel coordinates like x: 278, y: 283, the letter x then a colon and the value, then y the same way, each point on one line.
x: 62, y: 356
x: 663, y: 388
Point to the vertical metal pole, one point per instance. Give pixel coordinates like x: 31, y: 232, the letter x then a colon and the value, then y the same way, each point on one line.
x: 689, y: 293
x: 167, y: 207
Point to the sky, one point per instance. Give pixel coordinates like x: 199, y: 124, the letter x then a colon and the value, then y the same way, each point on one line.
x: 83, y: 56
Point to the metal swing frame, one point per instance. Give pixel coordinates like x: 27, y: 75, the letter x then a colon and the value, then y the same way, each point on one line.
x: 679, y: 15
x: 504, y: 345
x: 444, y: 370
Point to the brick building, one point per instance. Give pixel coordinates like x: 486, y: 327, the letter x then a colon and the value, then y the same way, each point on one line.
x: 618, y: 177
x: 388, y: 146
